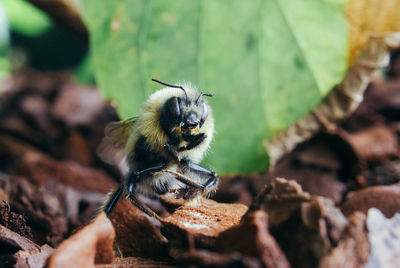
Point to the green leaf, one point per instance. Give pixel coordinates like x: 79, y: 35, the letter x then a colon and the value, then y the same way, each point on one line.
x: 268, y: 62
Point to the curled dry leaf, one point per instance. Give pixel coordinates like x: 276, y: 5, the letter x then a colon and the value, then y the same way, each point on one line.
x: 27, y: 253
x: 91, y: 245
x: 353, y: 249
x: 322, y: 215
x: 370, y: 18
x: 33, y: 258
x: 137, y: 235
x: 340, y: 102
x: 384, y: 198
x: 280, y: 198
x: 9, y: 237
x: 307, y: 227
x: 251, y: 238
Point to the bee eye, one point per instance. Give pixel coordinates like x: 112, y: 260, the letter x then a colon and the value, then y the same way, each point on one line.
x: 174, y: 112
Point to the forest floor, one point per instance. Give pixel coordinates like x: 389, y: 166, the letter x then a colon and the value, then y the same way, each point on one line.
x: 313, y: 210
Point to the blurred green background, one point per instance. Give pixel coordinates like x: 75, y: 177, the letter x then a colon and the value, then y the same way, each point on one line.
x: 267, y: 62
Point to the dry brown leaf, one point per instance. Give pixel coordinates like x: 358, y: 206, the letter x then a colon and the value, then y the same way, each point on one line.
x: 386, y: 198
x: 8, y: 236
x: 33, y: 258
x: 370, y: 18
x: 306, y: 227
x: 136, y: 233
x: 91, y: 245
x: 340, y: 102
x: 280, y: 199
x: 374, y: 31
x: 353, y: 249
x: 204, y: 222
x: 252, y: 238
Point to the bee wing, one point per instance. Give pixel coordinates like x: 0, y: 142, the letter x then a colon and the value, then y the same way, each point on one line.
x: 112, y: 147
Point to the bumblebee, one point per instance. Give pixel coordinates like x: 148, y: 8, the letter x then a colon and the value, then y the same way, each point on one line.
x: 162, y: 147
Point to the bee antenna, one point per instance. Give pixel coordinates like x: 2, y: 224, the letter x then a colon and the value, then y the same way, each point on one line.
x: 203, y: 94
x: 174, y: 86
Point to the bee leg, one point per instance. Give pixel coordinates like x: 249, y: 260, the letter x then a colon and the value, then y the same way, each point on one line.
x: 172, y: 152
x: 112, y: 201
x: 194, y: 141
x: 192, y: 188
x: 131, y: 184
x: 197, y: 168
x: 211, y: 184
x: 182, y: 178
x: 213, y: 180
x: 142, y: 207
x: 189, y: 193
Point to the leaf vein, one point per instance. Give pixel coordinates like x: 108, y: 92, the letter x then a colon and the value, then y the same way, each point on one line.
x: 299, y: 44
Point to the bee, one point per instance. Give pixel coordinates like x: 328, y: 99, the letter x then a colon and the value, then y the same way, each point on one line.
x: 162, y: 147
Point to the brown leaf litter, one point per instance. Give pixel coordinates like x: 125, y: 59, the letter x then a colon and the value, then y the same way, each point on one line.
x: 91, y: 245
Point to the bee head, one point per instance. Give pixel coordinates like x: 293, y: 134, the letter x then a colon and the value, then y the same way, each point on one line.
x: 184, y: 114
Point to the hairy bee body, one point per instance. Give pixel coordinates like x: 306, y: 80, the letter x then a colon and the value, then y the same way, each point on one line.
x: 160, y: 150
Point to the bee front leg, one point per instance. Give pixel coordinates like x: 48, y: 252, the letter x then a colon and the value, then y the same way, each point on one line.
x: 182, y: 178
x: 193, y: 188
x: 194, y: 141
x: 213, y: 180
x: 172, y: 152
x: 188, y: 192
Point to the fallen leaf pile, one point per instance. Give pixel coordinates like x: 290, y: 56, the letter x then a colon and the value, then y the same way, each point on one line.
x: 332, y: 202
